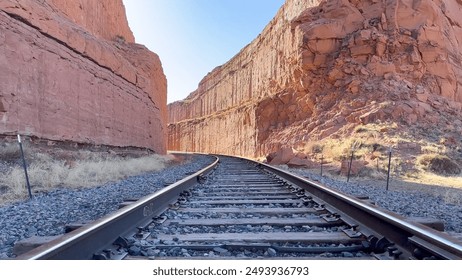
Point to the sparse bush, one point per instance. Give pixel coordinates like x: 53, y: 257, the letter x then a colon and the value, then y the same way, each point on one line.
x: 439, y: 164
x: 378, y: 147
x: 361, y: 129
x: 9, y: 152
x: 433, y: 148
x: 317, y: 148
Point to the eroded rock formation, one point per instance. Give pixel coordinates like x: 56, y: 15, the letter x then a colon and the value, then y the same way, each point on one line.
x: 70, y: 70
x: 320, y: 68
x: 105, y: 19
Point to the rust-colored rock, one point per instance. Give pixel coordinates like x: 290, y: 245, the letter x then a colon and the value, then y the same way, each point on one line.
x: 66, y: 74
x: 291, y: 158
x: 356, y: 167
x: 320, y: 68
x: 298, y: 162
x: 282, y: 156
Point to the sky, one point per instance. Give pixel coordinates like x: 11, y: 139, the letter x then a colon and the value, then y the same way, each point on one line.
x: 192, y: 37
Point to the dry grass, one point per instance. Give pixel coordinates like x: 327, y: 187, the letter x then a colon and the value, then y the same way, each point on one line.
x: 434, y: 179
x: 90, y: 169
x: 339, y: 149
x: 415, y: 159
x: 364, y: 140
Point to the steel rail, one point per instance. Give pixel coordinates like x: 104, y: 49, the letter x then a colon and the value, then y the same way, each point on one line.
x: 410, y: 236
x: 84, y: 242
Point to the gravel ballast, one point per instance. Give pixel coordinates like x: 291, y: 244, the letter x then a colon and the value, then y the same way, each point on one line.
x: 48, y: 213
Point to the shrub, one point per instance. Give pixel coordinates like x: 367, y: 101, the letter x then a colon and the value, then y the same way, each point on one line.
x: 317, y: 148
x: 9, y: 152
x: 439, y: 164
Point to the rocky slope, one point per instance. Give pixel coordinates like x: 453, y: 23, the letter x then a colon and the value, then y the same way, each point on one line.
x: 71, y: 71
x: 321, y: 68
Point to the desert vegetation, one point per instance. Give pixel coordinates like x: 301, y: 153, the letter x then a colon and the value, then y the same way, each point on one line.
x: 52, y: 167
x: 434, y: 159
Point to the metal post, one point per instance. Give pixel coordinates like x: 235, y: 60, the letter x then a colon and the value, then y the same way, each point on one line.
x: 25, y: 166
x: 349, y: 165
x: 322, y: 159
x: 389, y: 165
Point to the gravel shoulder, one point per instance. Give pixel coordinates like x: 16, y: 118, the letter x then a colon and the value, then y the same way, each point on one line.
x: 405, y: 198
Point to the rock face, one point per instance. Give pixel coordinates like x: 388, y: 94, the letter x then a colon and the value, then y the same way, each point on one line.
x: 70, y: 71
x: 320, y: 68
x: 105, y: 19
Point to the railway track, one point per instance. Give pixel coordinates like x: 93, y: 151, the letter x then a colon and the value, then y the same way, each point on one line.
x: 242, y: 209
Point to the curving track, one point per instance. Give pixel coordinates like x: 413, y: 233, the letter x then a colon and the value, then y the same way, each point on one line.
x: 245, y: 209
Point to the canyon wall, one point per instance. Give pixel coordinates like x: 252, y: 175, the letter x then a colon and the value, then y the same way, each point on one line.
x: 72, y: 72
x: 102, y: 18
x: 320, y: 68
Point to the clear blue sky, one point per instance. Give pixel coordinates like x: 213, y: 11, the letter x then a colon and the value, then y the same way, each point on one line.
x: 194, y: 36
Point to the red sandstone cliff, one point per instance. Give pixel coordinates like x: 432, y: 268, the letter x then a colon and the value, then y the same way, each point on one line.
x: 322, y: 67
x: 69, y: 70
x: 105, y: 19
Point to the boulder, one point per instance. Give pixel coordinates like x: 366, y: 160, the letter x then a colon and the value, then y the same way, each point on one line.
x: 356, y: 167
x: 298, y: 162
x: 282, y: 156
